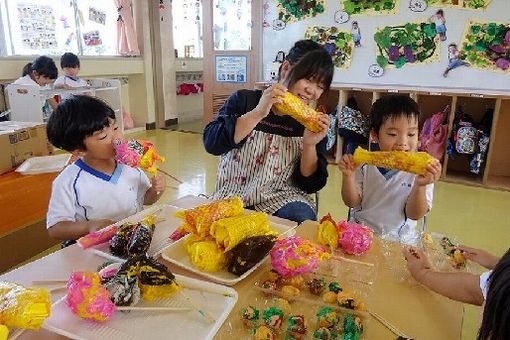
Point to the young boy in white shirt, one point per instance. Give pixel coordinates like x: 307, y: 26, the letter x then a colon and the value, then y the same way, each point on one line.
x: 70, y: 64
x: 390, y: 201
x: 94, y: 191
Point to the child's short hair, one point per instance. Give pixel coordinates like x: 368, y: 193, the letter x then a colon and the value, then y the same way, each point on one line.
x: 392, y: 106
x: 70, y: 60
x: 452, y: 45
x: 316, y: 65
x: 75, y: 118
x: 43, y: 65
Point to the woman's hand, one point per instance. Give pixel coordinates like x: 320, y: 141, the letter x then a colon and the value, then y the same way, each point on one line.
x: 417, y: 262
x: 272, y: 95
x: 313, y: 138
x: 479, y: 256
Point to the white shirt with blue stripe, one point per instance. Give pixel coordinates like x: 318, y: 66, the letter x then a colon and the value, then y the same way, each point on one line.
x: 81, y: 193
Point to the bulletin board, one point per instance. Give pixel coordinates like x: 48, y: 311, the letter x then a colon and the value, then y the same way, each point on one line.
x: 427, y: 43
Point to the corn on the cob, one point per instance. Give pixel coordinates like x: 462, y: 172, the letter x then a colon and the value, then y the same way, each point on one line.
x: 205, y: 255
x: 297, y: 109
x: 229, y: 232
x: 199, y: 219
x: 413, y: 162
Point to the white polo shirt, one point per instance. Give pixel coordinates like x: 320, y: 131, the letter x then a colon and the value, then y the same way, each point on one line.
x: 81, y: 193
x: 384, y: 198
x: 66, y: 80
x: 484, y: 283
x: 26, y: 80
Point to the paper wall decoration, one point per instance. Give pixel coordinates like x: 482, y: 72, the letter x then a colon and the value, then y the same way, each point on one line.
x: 370, y: 6
x: 296, y: 10
x: 339, y: 44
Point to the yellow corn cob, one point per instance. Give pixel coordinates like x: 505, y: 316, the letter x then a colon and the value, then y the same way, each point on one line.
x: 297, y: 109
x: 199, y: 219
x: 229, y: 232
x: 413, y: 162
x: 205, y: 255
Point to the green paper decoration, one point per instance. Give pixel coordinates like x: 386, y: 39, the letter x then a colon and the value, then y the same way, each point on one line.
x: 487, y: 45
x: 409, y: 43
x: 370, y: 6
x: 469, y: 4
x: 296, y: 10
x: 339, y: 44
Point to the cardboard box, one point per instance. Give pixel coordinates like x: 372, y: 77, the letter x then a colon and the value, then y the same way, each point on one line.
x: 20, y: 141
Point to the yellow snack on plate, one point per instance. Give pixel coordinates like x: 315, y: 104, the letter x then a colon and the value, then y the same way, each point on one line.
x: 413, y: 162
x: 205, y: 255
x: 297, y: 109
x: 229, y: 232
x: 199, y: 219
x: 22, y: 307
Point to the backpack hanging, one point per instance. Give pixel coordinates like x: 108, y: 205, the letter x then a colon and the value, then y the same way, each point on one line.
x: 434, y: 134
x: 465, y: 134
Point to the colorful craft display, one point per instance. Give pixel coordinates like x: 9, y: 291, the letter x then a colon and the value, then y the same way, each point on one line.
x: 355, y: 239
x: 97, y: 237
x: 87, y: 297
x: 413, y: 162
x: 297, y: 109
x: 22, y: 307
x: 139, y: 154
x: 294, y: 256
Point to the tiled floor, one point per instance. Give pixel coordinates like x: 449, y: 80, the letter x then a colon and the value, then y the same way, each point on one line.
x: 475, y: 216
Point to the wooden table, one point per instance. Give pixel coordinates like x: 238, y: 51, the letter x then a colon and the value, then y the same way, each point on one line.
x: 412, y: 308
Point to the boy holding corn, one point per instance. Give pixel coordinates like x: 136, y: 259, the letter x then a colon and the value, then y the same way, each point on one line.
x: 269, y: 160
x: 390, y: 201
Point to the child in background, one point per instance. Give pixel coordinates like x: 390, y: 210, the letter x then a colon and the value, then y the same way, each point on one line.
x: 454, y: 59
x: 94, y: 191
x: 271, y: 161
x: 390, y: 201
x: 356, y: 34
x: 70, y: 64
x: 491, y: 289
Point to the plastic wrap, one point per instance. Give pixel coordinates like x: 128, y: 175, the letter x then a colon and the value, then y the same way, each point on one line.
x: 355, y: 239
x: 97, y: 237
x: 138, y: 154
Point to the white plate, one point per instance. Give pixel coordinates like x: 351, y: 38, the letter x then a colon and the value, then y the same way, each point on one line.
x: 166, y: 223
x: 43, y: 164
x: 216, y: 299
x: 176, y: 254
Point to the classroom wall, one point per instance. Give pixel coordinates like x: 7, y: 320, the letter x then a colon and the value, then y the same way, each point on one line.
x: 428, y: 75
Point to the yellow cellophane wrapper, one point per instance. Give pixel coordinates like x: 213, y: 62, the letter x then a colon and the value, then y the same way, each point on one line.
x: 149, y: 159
x: 151, y: 292
x: 327, y: 234
x: 297, y: 109
x: 229, y: 232
x: 4, y: 332
x: 22, y: 307
x: 199, y: 219
x: 413, y: 162
x: 205, y: 254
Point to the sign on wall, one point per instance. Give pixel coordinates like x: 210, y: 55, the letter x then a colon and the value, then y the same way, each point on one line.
x: 230, y: 69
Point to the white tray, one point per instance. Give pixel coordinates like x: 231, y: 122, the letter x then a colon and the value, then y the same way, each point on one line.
x: 176, y: 254
x: 44, y: 164
x: 218, y: 300
x: 168, y: 222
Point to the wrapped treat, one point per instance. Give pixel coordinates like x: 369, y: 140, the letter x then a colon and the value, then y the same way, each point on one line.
x: 97, y: 237
x: 250, y: 252
x: 349, y: 300
x: 205, y: 255
x: 108, y: 271
x: 229, y: 232
x: 327, y: 317
x: 264, y: 333
x: 316, y: 286
x: 250, y: 316
x: 87, y: 298
x: 289, y: 292
x: 413, y: 162
x: 352, y: 328
x: 297, y: 109
x: 141, y: 238
x: 335, y: 287
x: 282, y: 304
x: 296, y: 326
x: 324, y: 333
x: 138, y: 154
x: 199, y: 219
x: 295, y: 256
x: 329, y: 297
x: 124, y: 290
x: 22, y: 307
x: 120, y: 241
x: 355, y: 239
x: 455, y: 255
x: 4, y: 332
x: 154, y: 279
x: 327, y: 234
x: 273, y: 317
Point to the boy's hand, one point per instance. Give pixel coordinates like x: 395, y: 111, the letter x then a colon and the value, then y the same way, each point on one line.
x: 158, y: 183
x: 273, y: 94
x: 432, y: 175
x: 99, y: 224
x: 347, y: 165
x: 313, y: 138
x: 479, y: 256
x: 417, y: 262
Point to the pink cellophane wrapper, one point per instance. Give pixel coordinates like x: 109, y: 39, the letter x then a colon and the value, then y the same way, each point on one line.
x: 97, y: 237
x: 295, y: 256
x: 355, y: 239
x: 129, y: 152
x: 87, y: 298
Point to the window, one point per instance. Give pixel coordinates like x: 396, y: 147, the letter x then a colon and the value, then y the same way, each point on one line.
x: 232, y: 25
x: 52, y: 27
x: 187, y: 30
